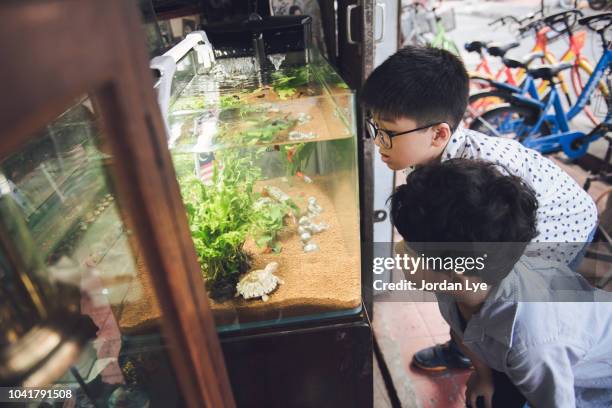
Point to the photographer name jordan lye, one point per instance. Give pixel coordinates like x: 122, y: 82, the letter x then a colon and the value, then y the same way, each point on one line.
x: 410, y: 265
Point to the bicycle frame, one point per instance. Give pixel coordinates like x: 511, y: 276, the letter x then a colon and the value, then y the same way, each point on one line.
x: 516, y: 77
x: 484, y: 68
x: 594, y: 81
x: 541, y: 45
x: 442, y: 41
x: 562, y: 137
x: 527, y: 87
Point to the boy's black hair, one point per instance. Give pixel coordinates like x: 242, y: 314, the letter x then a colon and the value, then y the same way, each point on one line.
x: 427, y: 84
x: 467, y: 201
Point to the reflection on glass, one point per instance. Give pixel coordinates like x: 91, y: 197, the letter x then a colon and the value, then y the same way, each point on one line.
x: 72, y: 281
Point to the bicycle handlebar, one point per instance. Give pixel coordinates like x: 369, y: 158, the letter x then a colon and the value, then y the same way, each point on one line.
x: 531, y: 16
x: 567, y: 19
x: 533, y: 25
x: 503, y: 19
x: 590, y: 21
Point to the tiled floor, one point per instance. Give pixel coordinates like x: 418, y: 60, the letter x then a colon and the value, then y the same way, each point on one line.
x: 401, y: 329
x: 411, y: 327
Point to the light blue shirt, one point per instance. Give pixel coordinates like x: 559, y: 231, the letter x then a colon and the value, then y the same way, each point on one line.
x: 558, y: 353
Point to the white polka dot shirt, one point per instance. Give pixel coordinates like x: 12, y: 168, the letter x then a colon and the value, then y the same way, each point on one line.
x: 566, y: 213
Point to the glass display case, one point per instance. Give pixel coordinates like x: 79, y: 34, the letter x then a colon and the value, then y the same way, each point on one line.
x: 92, y: 228
x: 80, y: 270
x: 266, y: 159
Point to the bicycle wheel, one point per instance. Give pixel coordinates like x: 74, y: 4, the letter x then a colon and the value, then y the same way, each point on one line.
x: 508, y: 121
x: 598, y: 5
x: 481, y: 102
x: 479, y: 82
x: 596, y: 107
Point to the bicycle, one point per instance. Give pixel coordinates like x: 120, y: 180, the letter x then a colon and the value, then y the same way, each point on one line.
x: 544, y: 125
x: 500, y: 92
x: 423, y: 26
x: 483, y: 70
x: 495, y: 90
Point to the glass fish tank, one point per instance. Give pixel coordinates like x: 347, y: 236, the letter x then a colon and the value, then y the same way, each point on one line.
x: 266, y: 160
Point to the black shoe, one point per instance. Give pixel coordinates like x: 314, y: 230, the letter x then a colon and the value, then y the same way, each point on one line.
x: 441, y: 357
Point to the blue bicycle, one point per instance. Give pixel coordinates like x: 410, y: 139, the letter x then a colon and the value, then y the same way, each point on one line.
x: 543, y: 124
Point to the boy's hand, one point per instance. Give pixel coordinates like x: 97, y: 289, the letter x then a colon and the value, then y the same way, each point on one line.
x: 480, y: 385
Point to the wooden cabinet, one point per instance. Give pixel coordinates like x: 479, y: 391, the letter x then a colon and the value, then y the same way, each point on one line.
x: 91, y: 216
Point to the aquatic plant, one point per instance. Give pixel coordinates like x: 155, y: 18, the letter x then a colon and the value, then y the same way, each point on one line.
x: 269, y: 219
x: 224, y: 212
x: 220, y: 218
x: 286, y: 82
x: 295, y: 157
x: 263, y: 130
x: 189, y: 104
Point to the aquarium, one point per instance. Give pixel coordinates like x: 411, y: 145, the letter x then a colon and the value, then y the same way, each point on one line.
x: 72, y: 277
x: 266, y: 159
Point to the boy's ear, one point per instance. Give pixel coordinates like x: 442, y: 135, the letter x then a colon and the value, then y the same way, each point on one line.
x: 442, y: 134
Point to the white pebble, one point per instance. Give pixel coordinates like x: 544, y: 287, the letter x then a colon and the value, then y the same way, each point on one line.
x: 311, y: 247
x: 304, y: 221
x: 317, y: 228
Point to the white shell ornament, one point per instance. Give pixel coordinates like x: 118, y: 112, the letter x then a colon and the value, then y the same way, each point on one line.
x: 259, y: 283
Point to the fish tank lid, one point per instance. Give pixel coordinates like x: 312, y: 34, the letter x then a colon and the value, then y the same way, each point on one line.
x: 258, y: 24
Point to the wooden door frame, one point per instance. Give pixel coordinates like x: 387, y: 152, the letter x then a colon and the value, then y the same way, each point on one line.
x: 57, y: 50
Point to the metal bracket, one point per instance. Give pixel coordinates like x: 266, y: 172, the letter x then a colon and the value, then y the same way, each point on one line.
x: 166, y: 65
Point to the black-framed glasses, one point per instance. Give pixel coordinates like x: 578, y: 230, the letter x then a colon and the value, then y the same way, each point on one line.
x: 386, y: 136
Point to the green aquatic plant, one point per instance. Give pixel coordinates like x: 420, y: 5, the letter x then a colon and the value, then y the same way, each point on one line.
x: 286, y: 82
x: 220, y: 218
x: 264, y: 130
x: 189, y: 103
x: 224, y: 212
x: 229, y: 102
x: 236, y: 108
x: 269, y: 220
x: 295, y: 157
x: 184, y: 164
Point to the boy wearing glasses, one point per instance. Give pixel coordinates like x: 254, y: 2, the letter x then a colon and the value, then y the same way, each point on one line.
x: 416, y: 100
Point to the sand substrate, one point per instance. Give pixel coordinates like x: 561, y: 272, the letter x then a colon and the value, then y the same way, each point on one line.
x: 328, y: 280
